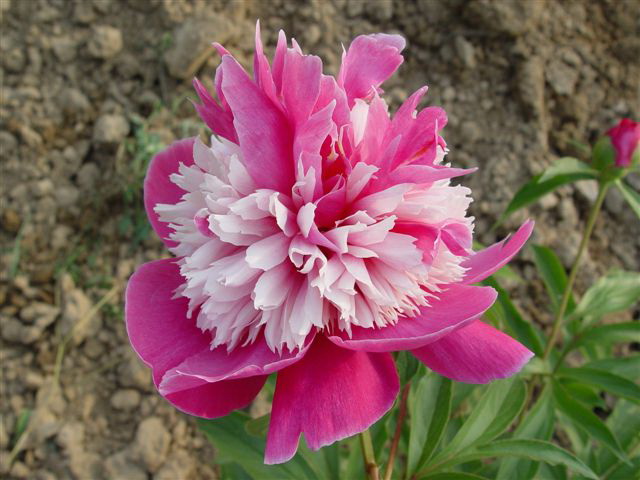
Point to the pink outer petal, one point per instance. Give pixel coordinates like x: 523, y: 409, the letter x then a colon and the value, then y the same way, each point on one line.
x: 477, y: 353
x: 210, y: 366
x: 329, y: 395
x: 163, y: 337
x: 158, y: 188
x: 370, y: 60
x: 453, y: 309
x: 264, y: 133
x: 491, y: 259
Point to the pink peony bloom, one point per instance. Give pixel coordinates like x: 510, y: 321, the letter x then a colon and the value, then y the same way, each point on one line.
x: 625, y: 137
x: 314, y: 235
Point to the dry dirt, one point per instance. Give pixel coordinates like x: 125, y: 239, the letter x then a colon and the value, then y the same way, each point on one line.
x: 90, y: 88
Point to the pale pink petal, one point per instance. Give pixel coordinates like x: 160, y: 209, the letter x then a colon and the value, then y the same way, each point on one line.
x: 268, y: 252
x: 158, y: 188
x: 329, y: 395
x: 163, y: 337
x: 454, y: 308
x: 263, y: 131
x: 491, y: 259
x: 477, y: 353
x: 370, y: 60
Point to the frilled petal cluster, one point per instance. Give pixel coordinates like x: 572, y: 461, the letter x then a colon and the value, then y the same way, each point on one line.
x: 314, y: 235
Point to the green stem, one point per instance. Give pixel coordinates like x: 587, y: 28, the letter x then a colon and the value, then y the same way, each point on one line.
x: 566, y: 295
x: 370, y: 465
x: 396, y: 437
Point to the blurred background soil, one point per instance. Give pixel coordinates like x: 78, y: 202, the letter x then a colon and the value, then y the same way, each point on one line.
x: 92, y: 88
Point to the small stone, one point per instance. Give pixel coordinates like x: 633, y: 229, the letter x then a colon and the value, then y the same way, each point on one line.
x: 39, y: 313
x: 120, y: 467
x: 470, y: 131
x: 178, y: 465
x: 43, y: 187
x: 549, y: 201
x: 88, y: 176
x: 312, y: 34
x: 587, y: 189
x: 75, y: 319
x: 133, y: 373
x: 111, y: 129
x: 465, y: 51
x: 561, y: 77
x: 126, y: 399
x: 14, y: 60
x: 67, y: 196
x: 64, y: 48
x: 152, y: 443
x: 74, y: 102
x: 105, y: 42
x: 60, y: 237
x: 530, y: 85
x: 192, y: 44
x: 11, y: 221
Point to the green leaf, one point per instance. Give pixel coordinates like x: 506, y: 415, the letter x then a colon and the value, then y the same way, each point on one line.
x: 429, y: 407
x: 565, y: 170
x: 625, y: 421
x: 626, y: 471
x: 553, y: 275
x: 603, y: 155
x: 234, y: 445
x: 567, y: 166
x: 21, y: 425
x: 258, y: 426
x: 630, y: 195
x: 628, y: 366
x: 614, y: 292
x: 536, y: 450
x: 586, y: 420
x: 498, y: 407
x: 612, y: 333
x: 604, y: 380
x: 524, y: 331
x: 453, y: 476
x: 537, y: 424
x: 407, y: 366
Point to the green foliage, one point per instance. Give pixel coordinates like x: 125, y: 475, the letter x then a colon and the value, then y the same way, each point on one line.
x: 563, y: 171
x: 630, y: 195
x: 614, y: 292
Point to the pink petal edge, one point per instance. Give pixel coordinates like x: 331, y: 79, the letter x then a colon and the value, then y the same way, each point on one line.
x: 455, y: 308
x: 488, y: 261
x: 330, y: 394
x: 158, y: 188
x: 477, y: 353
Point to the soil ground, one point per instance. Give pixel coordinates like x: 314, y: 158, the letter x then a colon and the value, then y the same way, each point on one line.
x: 92, y: 88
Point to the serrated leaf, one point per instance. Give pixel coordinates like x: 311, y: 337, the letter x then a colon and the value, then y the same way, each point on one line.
x: 604, y: 380
x: 523, y: 331
x: 614, y: 292
x: 498, y: 407
x: 234, y: 445
x: 554, y: 177
x: 553, y: 275
x: 630, y: 195
x: 537, y: 425
x: 586, y: 420
x: 607, y: 334
x: 429, y: 408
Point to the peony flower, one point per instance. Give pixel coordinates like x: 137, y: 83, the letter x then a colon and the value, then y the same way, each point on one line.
x: 315, y: 235
x: 625, y: 138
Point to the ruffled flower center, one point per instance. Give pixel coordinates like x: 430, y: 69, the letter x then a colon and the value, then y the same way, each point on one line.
x: 362, y: 254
